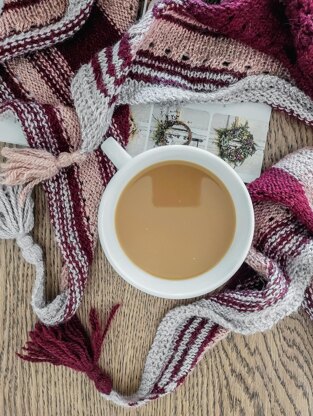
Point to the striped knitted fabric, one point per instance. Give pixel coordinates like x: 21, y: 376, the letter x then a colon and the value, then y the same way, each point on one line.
x: 180, y: 51
x: 189, y: 50
x: 35, y: 88
x: 184, y: 50
x: 275, y: 282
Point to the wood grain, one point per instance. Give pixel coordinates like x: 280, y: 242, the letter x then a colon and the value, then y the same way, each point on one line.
x: 264, y: 374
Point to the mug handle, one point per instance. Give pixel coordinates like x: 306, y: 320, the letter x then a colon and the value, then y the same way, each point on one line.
x: 115, y: 152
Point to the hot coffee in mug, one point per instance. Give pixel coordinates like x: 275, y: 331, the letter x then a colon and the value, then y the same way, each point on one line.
x: 175, y: 221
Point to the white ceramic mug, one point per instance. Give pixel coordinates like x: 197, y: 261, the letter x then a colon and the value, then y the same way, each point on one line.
x: 128, y: 168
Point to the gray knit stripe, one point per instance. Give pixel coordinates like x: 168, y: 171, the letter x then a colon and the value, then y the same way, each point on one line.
x: 266, y: 89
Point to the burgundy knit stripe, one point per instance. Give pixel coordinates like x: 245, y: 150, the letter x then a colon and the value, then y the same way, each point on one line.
x: 16, y: 88
x: 178, y: 67
x: 209, y: 339
x: 199, y: 29
x: 98, y: 76
x: 278, y: 249
x: 73, y: 184
x: 124, y: 52
x: 97, y: 33
x: 156, y: 389
x: 269, y: 232
x: 103, y: 163
x: 175, y: 71
x: 268, y: 298
x: 122, y: 121
x: 292, y: 194
x: 56, y: 128
x: 193, y: 338
x: 79, y: 209
x: 155, y: 80
x: 110, y: 66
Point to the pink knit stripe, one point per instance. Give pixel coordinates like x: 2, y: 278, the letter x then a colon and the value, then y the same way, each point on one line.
x: 54, y: 79
x: 17, y: 90
x: 148, y: 59
x: 121, y: 13
x: 21, y: 18
x: 32, y: 81
x: 198, y: 48
x: 11, y: 48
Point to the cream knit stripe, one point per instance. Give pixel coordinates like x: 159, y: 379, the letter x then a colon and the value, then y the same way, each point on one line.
x: 266, y: 89
x: 75, y: 16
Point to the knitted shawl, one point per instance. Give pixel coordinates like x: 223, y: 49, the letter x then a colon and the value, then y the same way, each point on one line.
x: 70, y: 93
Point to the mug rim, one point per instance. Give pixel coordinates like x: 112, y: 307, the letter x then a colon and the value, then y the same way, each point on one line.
x: 180, y: 288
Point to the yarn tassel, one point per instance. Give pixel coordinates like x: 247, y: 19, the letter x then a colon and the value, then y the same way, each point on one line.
x: 32, y: 166
x: 69, y: 345
x: 16, y: 221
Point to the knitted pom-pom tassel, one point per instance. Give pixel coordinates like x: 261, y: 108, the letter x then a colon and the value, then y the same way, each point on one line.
x: 32, y: 166
x: 69, y: 345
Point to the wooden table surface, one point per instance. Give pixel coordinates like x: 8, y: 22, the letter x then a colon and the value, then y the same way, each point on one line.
x: 263, y: 374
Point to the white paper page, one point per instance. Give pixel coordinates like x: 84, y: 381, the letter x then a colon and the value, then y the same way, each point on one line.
x: 204, y: 123
x: 11, y: 131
